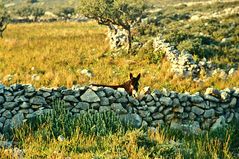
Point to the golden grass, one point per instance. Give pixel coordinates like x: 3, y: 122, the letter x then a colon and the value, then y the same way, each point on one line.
x: 53, y: 54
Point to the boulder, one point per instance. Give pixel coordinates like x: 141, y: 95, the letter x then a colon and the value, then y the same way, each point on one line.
x: 25, y: 105
x: 132, y: 119
x: 166, y: 101
x: 104, y: 101
x: 90, y: 96
x: 2, y: 100
x: 17, y: 120
x: 38, y: 100
x: 9, y: 105
x: 133, y: 101
x: 233, y: 102
x: 118, y: 108
x: 197, y: 110
x: 83, y: 105
x: 209, y: 113
x: 70, y: 98
x: 220, y: 123
x: 196, y: 99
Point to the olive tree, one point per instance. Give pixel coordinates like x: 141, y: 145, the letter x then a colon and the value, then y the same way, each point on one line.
x: 3, y: 19
x: 31, y: 11
x: 66, y: 13
x: 122, y: 13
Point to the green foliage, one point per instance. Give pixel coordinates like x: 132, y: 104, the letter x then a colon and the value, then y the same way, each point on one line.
x: 31, y: 11
x: 147, y: 52
x: 123, y: 13
x: 215, y: 38
x: 118, y: 12
x: 32, y: 1
x: 59, y: 121
x: 66, y: 12
x: 100, y: 124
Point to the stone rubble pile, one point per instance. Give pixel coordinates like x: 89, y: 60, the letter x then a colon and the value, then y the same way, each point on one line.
x: 195, y: 112
x: 184, y: 65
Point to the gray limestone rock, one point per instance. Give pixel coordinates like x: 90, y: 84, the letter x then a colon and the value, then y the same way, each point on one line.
x: 2, y: 87
x: 75, y: 110
x: 176, y: 102
x: 109, y: 91
x: 166, y: 101
x: 96, y: 106
x: 17, y: 120
x: 90, y: 96
x: 209, y: 113
x: 148, y: 98
x: 152, y: 109
x: 196, y: 99
x: 38, y: 100
x: 183, y: 97
x: 152, y: 103
x: 9, y: 105
x: 133, y: 101
x: 122, y: 100
x: 233, y: 102
x: 104, y: 101
x: 230, y: 118
x: 25, y: 105
x: 220, y: 122
x: 104, y: 108
x: 211, y: 98
x: 167, y: 111
x: 169, y: 117
x: 178, y: 109
x: 101, y: 93
x: 2, y: 100
x: 197, y: 110
x: 132, y: 119
x: 157, y: 116
x: 7, y: 114
x: 70, y: 98
x: 225, y: 96
x: 118, y: 108
x: 201, y: 105
x: 144, y: 113
x: 83, y: 105
x: 29, y: 88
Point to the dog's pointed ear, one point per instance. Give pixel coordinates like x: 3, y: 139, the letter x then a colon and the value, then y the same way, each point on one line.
x: 138, y: 77
x: 131, y: 76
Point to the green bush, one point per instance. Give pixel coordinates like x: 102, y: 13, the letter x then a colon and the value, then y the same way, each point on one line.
x: 59, y: 121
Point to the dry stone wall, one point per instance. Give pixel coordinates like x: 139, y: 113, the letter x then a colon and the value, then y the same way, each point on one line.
x: 191, y: 112
x: 183, y: 63
x: 118, y: 37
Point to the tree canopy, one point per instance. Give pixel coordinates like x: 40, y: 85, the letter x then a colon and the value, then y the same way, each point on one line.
x: 123, y: 13
x: 31, y: 11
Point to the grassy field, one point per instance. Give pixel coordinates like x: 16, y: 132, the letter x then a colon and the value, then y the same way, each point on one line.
x: 53, y: 54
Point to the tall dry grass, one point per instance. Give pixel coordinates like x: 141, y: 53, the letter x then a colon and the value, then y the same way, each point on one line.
x: 53, y: 54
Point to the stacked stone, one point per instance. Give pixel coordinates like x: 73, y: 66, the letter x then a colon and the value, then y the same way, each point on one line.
x: 118, y: 37
x: 196, y: 112
x: 184, y: 65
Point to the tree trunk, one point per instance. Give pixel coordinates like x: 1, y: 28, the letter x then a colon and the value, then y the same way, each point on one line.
x: 2, y: 30
x: 129, y: 40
